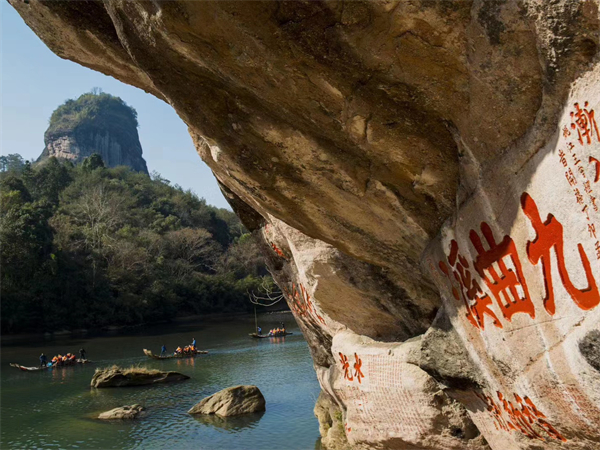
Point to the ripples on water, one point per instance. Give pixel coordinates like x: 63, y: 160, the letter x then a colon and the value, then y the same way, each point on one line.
x: 56, y: 408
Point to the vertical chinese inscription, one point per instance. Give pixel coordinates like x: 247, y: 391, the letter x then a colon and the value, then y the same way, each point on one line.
x: 523, y: 417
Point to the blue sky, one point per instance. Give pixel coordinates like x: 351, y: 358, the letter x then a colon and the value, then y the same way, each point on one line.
x: 34, y: 81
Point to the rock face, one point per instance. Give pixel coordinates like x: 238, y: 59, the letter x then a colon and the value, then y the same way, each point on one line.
x: 232, y: 401
x: 424, y: 178
x: 116, y: 377
x: 95, y: 123
x: 123, y: 413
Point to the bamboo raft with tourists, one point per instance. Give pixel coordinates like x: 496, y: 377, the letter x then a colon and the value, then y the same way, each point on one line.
x: 274, y: 335
x: 280, y: 331
x: 193, y: 354
x: 188, y: 351
x: 56, y: 362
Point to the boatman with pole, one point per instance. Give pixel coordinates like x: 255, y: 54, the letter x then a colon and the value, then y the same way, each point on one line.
x: 43, y: 360
x: 163, y: 350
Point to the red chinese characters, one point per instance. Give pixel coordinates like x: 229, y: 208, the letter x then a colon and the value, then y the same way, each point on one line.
x: 346, y: 367
x: 357, y: 366
x: 596, y: 163
x: 523, y: 417
x: 278, y: 251
x: 499, y: 267
x: 508, y: 285
x: 348, y: 373
x: 549, y: 235
x: 301, y: 303
x: 584, y: 122
x: 477, y: 304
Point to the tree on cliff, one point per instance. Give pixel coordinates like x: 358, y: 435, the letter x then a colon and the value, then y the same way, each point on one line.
x: 88, y: 246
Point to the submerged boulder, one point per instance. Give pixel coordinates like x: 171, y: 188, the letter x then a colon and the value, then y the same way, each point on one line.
x: 232, y: 402
x: 133, y: 376
x: 123, y: 412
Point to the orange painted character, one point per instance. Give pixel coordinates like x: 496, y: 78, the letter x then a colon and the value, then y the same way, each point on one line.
x: 346, y: 367
x: 357, y: 366
x: 476, y: 301
x: 508, y: 286
x: 597, y: 167
x: 584, y: 122
x: 549, y: 234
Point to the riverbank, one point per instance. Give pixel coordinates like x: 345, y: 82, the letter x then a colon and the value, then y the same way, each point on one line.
x: 24, y: 338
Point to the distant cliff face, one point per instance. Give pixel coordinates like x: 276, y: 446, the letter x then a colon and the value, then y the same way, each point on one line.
x: 95, y: 123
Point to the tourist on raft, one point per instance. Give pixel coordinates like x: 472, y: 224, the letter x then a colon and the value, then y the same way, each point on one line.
x: 187, y: 350
x: 62, y: 360
x: 277, y: 332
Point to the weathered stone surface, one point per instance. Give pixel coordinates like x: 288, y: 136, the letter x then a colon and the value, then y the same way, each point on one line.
x: 359, y: 140
x: 117, y: 377
x: 123, y: 413
x: 331, y: 425
x: 590, y: 348
x: 444, y: 357
x: 232, y: 401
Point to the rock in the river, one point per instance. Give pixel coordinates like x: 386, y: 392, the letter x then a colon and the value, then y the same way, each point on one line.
x: 232, y: 402
x: 134, y: 376
x: 123, y: 412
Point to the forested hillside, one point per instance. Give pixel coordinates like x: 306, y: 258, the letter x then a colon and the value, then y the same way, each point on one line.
x: 87, y: 246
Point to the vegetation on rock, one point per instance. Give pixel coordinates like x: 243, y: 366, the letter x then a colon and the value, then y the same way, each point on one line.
x: 95, y: 122
x: 93, y: 109
x: 88, y: 246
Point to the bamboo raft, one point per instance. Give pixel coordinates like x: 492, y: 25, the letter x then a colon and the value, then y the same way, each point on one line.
x: 149, y: 354
x: 264, y: 336
x: 55, y: 366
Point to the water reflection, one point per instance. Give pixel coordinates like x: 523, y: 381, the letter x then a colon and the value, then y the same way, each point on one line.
x: 231, y: 424
x: 187, y: 362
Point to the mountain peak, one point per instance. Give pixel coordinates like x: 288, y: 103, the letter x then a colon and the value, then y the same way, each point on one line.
x: 96, y: 122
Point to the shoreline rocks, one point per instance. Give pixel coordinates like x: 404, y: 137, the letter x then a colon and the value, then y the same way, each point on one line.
x: 232, y: 401
x: 134, y: 376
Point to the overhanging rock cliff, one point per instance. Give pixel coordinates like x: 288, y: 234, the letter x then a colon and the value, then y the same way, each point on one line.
x: 424, y: 176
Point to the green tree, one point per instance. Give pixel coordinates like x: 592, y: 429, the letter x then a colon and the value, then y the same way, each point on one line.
x: 11, y: 163
x: 93, y: 162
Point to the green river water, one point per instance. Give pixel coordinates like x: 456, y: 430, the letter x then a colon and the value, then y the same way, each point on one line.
x: 56, y: 408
